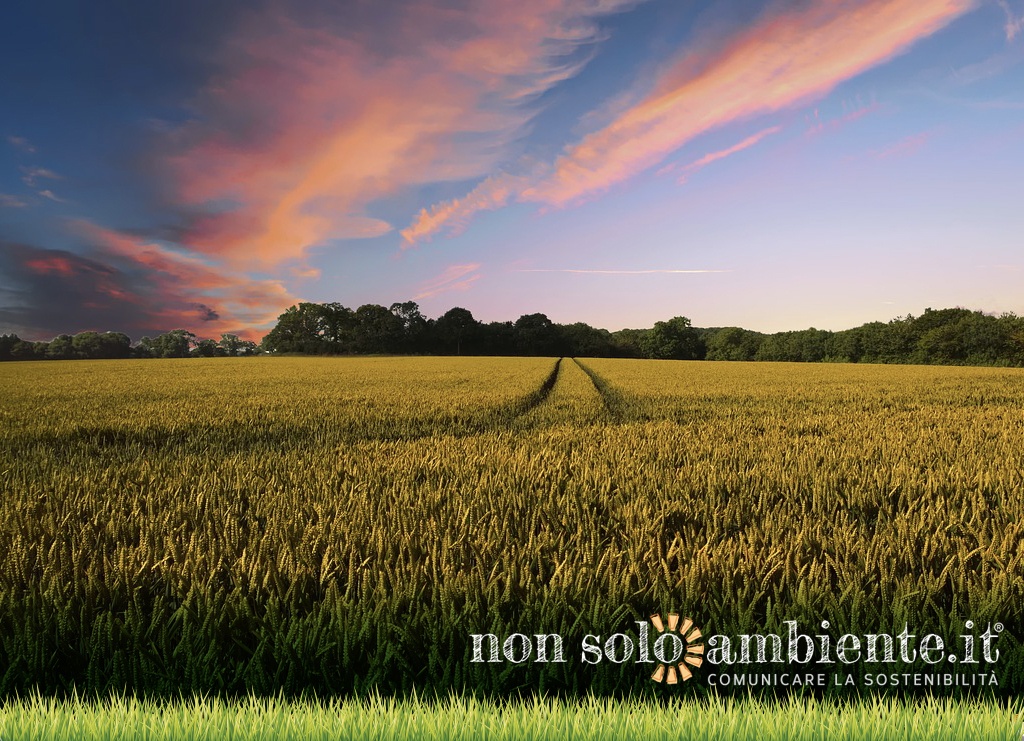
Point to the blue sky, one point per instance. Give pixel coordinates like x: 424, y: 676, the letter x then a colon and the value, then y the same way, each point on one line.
x: 768, y: 165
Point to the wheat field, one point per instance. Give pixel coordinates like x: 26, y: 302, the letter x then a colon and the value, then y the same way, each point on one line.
x: 338, y: 526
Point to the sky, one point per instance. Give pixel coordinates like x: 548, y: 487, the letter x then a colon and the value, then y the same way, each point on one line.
x: 206, y: 164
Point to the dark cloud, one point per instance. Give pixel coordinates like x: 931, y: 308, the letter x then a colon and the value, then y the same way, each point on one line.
x: 47, y: 292
x: 206, y: 314
x: 173, y: 224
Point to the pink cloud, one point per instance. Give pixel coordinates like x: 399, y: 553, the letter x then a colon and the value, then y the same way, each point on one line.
x: 707, y: 159
x: 454, y: 278
x: 904, y: 147
x: 307, y: 126
x: 819, y: 126
x: 51, y: 264
x: 1014, y: 20
x: 454, y: 215
x: 784, y: 59
x: 789, y: 56
x: 182, y: 289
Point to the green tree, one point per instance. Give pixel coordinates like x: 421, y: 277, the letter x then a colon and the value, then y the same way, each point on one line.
x: 456, y: 328
x: 1015, y: 334
x: 7, y: 343
x: 733, y: 343
x: 537, y: 335
x: 305, y: 328
x: 970, y: 337
x: 96, y: 345
x: 414, y: 326
x: 498, y: 338
x: 630, y: 343
x: 61, y: 347
x: 23, y: 350
x: 377, y: 330
x: 582, y: 340
x: 804, y: 346
x: 230, y: 345
x: 174, y: 344
x: 86, y: 345
x: 207, y: 349
x: 675, y: 339
x: 337, y: 328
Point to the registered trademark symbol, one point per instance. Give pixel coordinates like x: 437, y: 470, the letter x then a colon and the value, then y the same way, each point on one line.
x: 999, y: 627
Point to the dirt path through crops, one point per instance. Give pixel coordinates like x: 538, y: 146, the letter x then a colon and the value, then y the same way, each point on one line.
x: 612, y: 400
x: 571, y: 399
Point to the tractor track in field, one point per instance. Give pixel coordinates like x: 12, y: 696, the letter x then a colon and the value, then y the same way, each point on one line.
x: 541, y: 395
x: 108, y: 440
x: 613, y: 402
x: 105, y: 439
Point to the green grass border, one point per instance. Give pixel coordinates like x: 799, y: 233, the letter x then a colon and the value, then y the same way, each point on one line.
x: 465, y: 718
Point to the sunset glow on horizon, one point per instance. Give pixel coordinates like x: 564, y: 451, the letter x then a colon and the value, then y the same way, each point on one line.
x: 769, y: 165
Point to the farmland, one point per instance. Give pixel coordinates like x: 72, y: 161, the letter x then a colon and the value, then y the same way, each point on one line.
x: 339, y: 526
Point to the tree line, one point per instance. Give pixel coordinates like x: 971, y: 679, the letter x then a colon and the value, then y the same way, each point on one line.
x: 178, y: 343
x: 945, y: 336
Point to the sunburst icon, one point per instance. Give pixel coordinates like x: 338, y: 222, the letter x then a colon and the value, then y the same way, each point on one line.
x: 676, y: 646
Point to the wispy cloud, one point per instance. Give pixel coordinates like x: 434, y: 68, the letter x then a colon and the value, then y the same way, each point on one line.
x: 176, y: 288
x: 50, y: 195
x: 707, y: 159
x: 612, y: 272
x: 1001, y: 61
x: 784, y: 59
x: 9, y: 201
x: 21, y: 143
x: 454, y: 278
x: 818, y: 125
x: 904, y: 147
x: 306, y: 273
x: 305, y: 127
x: 789, y: 56
x: 453, y: 216
x: 32, y: 176
x: 1014, y: 20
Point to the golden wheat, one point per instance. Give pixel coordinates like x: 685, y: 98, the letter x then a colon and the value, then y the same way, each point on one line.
x: 345, y: 524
